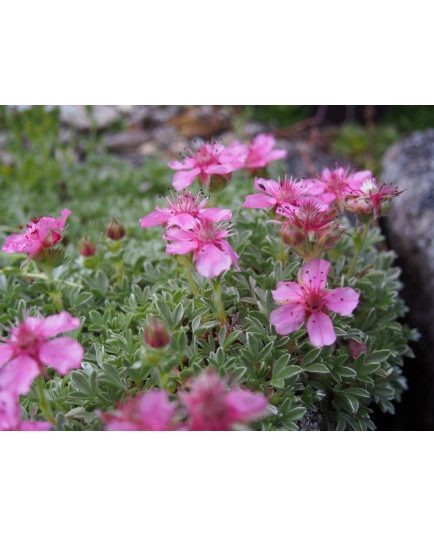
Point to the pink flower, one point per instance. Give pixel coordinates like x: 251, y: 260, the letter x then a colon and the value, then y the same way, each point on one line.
x: 332, y: 184
x: 214, y: 408
x: 309, y: 301
x: 211, y: 252
x: 276, y: 193
x: 40, y: 234
x: 25, y: 355
x: 364, y: 196
x: 210, y: 159
x: 261, y: 152
x: 310, y: 228
x: 183, y: 210
x: 151, y: 411
x: 10, y: 416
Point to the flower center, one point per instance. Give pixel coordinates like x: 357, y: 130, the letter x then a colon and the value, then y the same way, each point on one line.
x: 27, y: 341
x: 315, y: 301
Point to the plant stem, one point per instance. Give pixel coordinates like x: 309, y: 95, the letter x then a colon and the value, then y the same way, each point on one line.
x: 44, y: 276
x: 282, y: 250
x: 358, y: 250
x: 185, y: 262
x: 43, y: 402
x: 221, y: 313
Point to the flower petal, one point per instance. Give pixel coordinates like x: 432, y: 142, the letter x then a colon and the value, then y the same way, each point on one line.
x: 212, y: 261
x: 181, y: 247
x: 55, y: 324
x: 154, y: 218
x: 183, y: 179
x: 288, y: 292
x: 245, y: 405
x: 6, y: 352
x: 320, y: 329
x: 227, y: 248
x: 17, y: 375
x: 62, y: 354
x: 215, y: 214
x: 187, y: 163
x: 288, y: 318
x: 259, y: 201
x: 156, y: 411
x: 342, y: 300
x: 314, y: 273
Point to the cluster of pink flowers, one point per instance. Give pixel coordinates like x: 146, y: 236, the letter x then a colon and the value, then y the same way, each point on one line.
x: 31, y: 349
x: 207, y: 405
x: 38, y: 236
x: 215, y: 161
x: 192, y: 228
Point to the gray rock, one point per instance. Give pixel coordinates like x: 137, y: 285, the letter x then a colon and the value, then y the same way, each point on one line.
x: 409, y: 164
x: 127, y: 141
x: 80, y: 118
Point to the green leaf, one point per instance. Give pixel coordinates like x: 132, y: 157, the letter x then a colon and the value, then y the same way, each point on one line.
x: 318, y: 368
x: 310, y: 357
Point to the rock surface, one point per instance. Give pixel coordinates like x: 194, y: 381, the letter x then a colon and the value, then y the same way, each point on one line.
x: 409, y: 164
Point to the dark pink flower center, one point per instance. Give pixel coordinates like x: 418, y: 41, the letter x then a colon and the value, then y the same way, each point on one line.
x: 315, y: 300
x: 27, y: 342
x: 206, y: 156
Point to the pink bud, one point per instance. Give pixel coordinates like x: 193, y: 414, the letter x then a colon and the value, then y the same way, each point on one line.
x: 115, y: 229
x: 156, y: 333
x: 86, y: 247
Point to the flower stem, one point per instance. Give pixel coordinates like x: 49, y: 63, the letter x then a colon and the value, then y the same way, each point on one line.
x: 282, y: 251
x: 359, y: 248
x: 43, y: 401
x: 221, y: 313
x: 44, y: 276
x: 185, y: 262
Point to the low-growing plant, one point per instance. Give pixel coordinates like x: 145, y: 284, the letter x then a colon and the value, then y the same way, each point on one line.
x: 234, y: 310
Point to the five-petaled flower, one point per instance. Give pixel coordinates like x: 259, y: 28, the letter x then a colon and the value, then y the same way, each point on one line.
x: 212, y: 253
x: 212, y: 407
x: 183, y: 210
x: 25, y: 355
x: 310, y: 301
x: 262, y: 152
x: 151, y: 411
x: 210, y: 159
x: 277, y: 193
x: 39, y: 235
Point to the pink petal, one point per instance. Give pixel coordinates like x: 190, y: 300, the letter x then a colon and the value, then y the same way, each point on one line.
x: 259, y: 201
x: 61, y: 222
x: 156, y: 411
x: 17, y: 375
x: 6, y: 352
x: 314, y: 273
x: 184, y: 220
x: 277, y: 154
x: 183, y: 179
x: 154, y: 218
x: 212, y: 261
x: 62, y: 354
x: 118, y: 425
x: 312, y: 186
x: 187, y: 163
x: 10, y: 411
x: 215, y: 214
x: 320, y: 329
x: 35, y: 426
x: 288, y: 292
x: 288, y: 318
x: 218, y: 169
x: 227, y: 248
x: 342, y: 300
x: 181, y: 248
x: 53, y: 325
x: 245, y: 405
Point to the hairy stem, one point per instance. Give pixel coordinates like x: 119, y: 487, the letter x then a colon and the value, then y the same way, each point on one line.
x: 185, y: 262
x: 358, y: 250
x: 43, y: 401
x: 221, y: 313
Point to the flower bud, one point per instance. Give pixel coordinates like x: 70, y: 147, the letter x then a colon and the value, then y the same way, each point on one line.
x: 115, y: 229
x: 156, y: 333
x: 86, y: 247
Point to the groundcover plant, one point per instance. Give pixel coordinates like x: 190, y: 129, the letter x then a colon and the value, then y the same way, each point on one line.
x: 261, y: 302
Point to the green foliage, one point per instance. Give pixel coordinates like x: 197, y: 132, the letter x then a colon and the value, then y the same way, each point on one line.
x: 116, y: 295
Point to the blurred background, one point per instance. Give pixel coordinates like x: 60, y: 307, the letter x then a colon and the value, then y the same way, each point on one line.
x: 97, y: 159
